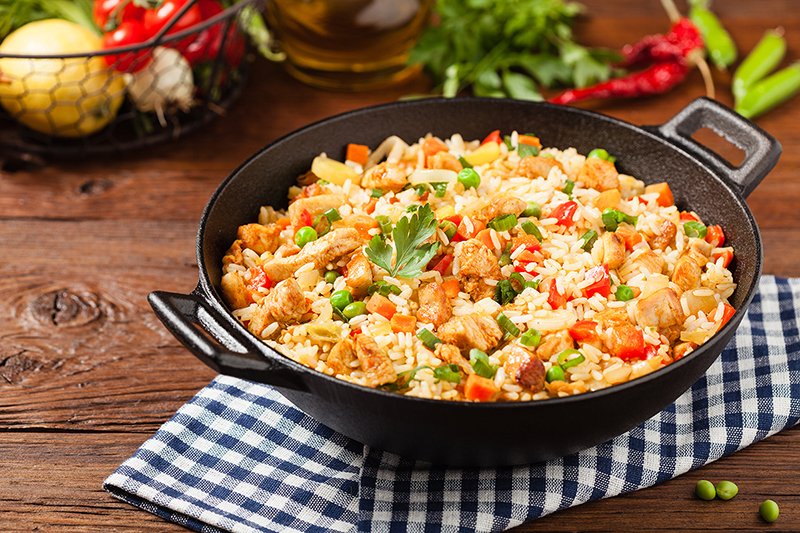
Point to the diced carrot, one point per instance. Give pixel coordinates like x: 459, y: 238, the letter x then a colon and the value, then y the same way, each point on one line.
x: 727, y: 313
x: 464, y: 231
x: 485, y: 236
x: 382, y: 306
x: 530, y: 140
x: 526, y: 257
x: 370, y: 207
x: 362, y: 224
x: 715, y: 236
x: 530, y: 242
x: 725, y: 253
x: 607, y: 199
x: 665, y: 198
x: 479, y: 389
x: 630, y: 236
x: 626, y: 342
x: 432, y: 146
x: 451, y: 288
x: 283, y: 223
x: 585, y: 330
x: 403, y: 323
x: 358, y: 153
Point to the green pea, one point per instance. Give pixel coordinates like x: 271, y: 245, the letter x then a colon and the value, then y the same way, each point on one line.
x: 354, y: 309
x: 769, y: 511
x: 766, y: 55
x: 726, y: 490
x: 600, y: 153
x: 341, y: 299
x: 555, y: 373
x: 533, y: 209
x: 331, y: 275
x: 705, y: 490
x: 469, y: 178
x: 304, y: 236
x: 624, y: 293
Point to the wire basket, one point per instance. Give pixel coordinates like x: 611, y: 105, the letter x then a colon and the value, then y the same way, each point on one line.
x: 83, y: 83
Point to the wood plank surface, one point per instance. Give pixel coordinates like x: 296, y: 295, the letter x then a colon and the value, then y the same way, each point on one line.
x: 87, y: 373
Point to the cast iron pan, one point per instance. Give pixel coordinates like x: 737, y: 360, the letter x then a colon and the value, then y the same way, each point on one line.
x: 474, y: 434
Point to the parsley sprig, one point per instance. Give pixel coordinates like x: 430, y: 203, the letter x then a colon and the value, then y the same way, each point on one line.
x: 508, y: 48
x: 408, y: 236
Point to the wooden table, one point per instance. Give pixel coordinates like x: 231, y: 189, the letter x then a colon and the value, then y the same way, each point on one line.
x: 88, y: 373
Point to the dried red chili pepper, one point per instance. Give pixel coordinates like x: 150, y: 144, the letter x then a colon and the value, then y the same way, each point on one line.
x: 669, y: 53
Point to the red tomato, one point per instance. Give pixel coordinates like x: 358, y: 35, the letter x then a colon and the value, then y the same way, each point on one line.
x: 258, y: 279
x: 715, y: 236
x: 650, y: 351
x: 113, y: 12
x: 685, y: 215
x: 156, y: 19
x: 443, y: 264
x: 601, y: 281
x: 305, y: 220
x: 206, y: 44
x: 492, y: 137
x: 564, y: 213
x: 726, y: 253
x: 626, y: 342
x: 129, y: 32
x: 585, y: 330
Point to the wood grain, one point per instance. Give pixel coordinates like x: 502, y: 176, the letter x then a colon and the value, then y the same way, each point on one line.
x: 87, y: 373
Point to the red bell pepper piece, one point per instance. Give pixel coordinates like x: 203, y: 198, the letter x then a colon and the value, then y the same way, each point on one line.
x: 627, y: 342
x: 554, y: 298
x: 492, y: 137
x: 726, y: 253
x: 564, y: 213
x: 601, y: 281
x: 443, y: 264
x: 715, y: 236
x: 305, y: 219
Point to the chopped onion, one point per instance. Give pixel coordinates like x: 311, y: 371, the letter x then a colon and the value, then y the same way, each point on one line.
x: 164, y: 85
x: 432, y: 175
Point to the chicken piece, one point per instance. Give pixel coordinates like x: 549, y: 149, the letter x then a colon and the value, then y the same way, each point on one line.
x: 260, y: 238
x: 661, y: 309
x: 444, y: 160
x: 315, y: 205
x: 259, y: 320
x: 471, y: 331
x: 689, y: 270
x: 534, y: 166
x: 234, y: 290
x: 613, y: 316
x: 553, y: 344
x: 287, y: 250
x: 613, y: 247
x: 342, y: 354
x: 525, y: 369
x: 477, y: 263
x: 234, y: 254
x: 502, y: 205
x: 700, y: 248
x: 286, y: 302
x: 450, y: 354
x: 359, y: 275
x: 599, y: 174
x: 386, y: 177
x: 324, y: 250
x: 375, y: 364
x: 646, y: 259
x: 434, y: 306
x: 668, y: 230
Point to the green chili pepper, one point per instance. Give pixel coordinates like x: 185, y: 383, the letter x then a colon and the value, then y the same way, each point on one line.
x: 767, y: 54
x: 719, y: 44
x: 769, y: 92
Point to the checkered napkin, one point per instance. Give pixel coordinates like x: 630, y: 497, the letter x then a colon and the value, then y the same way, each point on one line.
x: 239, y: 457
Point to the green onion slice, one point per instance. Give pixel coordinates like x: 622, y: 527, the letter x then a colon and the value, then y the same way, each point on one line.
x: 449, y: 228
x: 503, y: 222
x: 507, y: 324
x: 612, y: 218
x: 588, y: 238
x: 376, y: 193
x: 695, y: 229
x: 565, y: 364
x: 332, y: 215
x: 385, y: 224
x: 525, y: 150
x: 440, y: 187
x: 531, y: 338
x: 480, y: 364
x: 464, y: 162
x: 428, y: 338
x: 449, y: 373
x: 568, y: 186
x: 532, y: 229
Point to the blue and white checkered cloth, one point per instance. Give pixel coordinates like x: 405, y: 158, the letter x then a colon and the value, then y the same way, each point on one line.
x: 238, y: 457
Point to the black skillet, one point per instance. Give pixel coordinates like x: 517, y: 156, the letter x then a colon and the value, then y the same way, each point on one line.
x: 474, y: 434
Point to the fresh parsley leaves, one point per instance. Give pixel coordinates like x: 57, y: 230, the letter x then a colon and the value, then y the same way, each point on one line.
x: 508, y: 48
x: 408, y: 235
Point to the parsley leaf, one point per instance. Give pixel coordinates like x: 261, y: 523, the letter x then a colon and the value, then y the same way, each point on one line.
x: 408, y: 236
x: 508, y: 48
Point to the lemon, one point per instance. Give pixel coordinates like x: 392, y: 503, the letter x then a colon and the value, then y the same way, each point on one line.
x: 65, y: 97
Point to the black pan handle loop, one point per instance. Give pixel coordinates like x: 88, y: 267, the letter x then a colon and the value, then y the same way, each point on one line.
x: 185, y: 315
x: 761, y: 149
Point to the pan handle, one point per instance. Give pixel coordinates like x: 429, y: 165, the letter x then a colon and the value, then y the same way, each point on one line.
x: 184, y: 315
x: 761, y: 149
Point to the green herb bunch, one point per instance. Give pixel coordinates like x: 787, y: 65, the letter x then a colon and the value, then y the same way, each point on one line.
x: 508, y: 48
